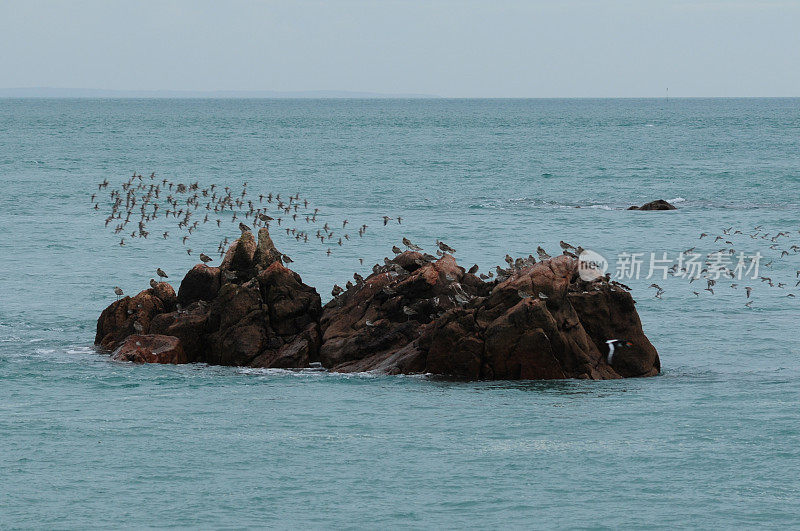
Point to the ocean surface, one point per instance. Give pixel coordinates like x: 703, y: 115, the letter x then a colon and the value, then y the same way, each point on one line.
x: 713, y: 442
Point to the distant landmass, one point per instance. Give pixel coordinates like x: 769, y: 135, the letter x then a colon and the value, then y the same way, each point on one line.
x: 48, y: 92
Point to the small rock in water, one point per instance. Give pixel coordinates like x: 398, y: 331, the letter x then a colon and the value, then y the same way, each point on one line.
x: 658, y: 204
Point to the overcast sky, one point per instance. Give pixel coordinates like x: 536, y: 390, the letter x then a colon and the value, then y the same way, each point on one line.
x: 460, y: 48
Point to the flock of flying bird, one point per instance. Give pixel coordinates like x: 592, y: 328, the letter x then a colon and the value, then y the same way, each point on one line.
x: 140, y: 201
x: 716, y: 265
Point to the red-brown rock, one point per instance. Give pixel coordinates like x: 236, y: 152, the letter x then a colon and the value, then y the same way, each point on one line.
x: 541, y: 322
x: 150, y: 348
x: 376, y: 319
x: 415, y: 314
x: 201, y: 283
x: 123, y: 317
x: 189, y: 325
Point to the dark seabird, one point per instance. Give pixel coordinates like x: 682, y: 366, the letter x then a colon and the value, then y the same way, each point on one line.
x: 542, y: 253
x: 205, y: 258
x: 444, y: 247
x: 410, y: 245
x: 160, y: 273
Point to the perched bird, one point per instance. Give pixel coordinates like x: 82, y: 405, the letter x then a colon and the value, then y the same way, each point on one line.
x: 205, y: 258
x: 444, y: 247
x: 542, y: 253
x: 243, y: 227
x: 160, y: 273
x: 153, y: 283
x: 410, y: 245
x: 118, y: 292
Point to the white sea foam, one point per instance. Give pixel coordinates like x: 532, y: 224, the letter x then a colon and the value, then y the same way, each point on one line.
x: 80, y: 350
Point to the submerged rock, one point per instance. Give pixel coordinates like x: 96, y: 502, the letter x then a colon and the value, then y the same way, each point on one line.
x: 415, y: 314
x: 658, y: 204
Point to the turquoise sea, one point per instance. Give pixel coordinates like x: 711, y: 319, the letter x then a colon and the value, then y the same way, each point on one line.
x: 714, y: 442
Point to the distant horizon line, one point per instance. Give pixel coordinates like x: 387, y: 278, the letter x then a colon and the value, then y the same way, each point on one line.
x: 88, y: 93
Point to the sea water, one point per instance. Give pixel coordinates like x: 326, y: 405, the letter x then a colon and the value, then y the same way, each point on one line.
x: 714, y: 441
